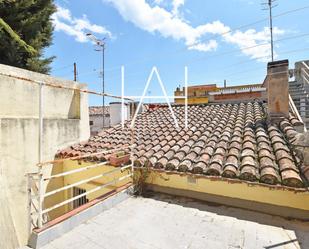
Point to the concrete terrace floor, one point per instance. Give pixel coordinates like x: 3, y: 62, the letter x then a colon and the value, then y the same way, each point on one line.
x: 163, y: 221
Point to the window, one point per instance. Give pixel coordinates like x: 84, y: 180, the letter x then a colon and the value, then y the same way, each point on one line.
x: 90, y: 122
x: 80, y: 201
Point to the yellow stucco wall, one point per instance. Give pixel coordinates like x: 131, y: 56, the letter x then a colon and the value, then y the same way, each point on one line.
x: 199, y: 94
x: 58, y: 197
x: 76, y: 177
x: 241, y: 190
x: 281, y: 196
x: 193, y: 100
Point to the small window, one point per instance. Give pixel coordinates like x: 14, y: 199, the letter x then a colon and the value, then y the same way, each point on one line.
x: 80, y: 201
x: 91, y: 122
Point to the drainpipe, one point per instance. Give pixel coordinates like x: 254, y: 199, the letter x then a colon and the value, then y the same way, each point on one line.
x: 40, y: 183
x: 40, y: 121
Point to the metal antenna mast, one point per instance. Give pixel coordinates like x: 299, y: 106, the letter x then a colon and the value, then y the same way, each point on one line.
x: 100, y: 43
x: 270, y: 7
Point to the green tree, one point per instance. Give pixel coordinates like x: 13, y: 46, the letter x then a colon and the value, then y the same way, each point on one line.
x: 25, y: 31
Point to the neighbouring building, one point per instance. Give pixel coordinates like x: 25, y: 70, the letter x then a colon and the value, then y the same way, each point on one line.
x: 197, y: 94
x: 211, y: 93
x: 237, y: 151
x: 202, y: 94
x: 299, y: 89
x: 96, y: 119
x: 112, y: 116
x: 65, y: 121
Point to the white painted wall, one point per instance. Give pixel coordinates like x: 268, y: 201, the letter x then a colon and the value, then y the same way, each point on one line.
x: 66, y: 121
x: 97, y: 125
x: 115, y: 112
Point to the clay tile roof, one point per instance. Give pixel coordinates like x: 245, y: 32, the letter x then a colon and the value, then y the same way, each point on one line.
x: 224, y: 140
x: 98, y: 110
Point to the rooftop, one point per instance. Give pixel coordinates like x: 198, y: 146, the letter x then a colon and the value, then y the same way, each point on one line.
x: 222, y: 140
x: 188, y: 223
x: 98, y: 110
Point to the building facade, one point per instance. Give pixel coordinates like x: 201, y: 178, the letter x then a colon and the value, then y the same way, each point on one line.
x: 202, y: 94
x: 96, y: 119
x: 299, y: 89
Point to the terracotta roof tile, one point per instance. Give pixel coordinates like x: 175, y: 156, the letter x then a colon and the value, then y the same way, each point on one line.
x: 228, y: 140
x: 98, y: 110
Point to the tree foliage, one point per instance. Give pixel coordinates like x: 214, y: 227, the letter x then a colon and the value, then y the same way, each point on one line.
x: 25, y: 31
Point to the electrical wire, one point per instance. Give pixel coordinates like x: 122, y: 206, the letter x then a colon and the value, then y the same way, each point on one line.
x: 258, y: 68
x: 233, y: 51
x: 257, y: 22
x: 286, y: 52
x: 250, y: 47
x: 261, y: 57
x: 61, y: 68
x: 215, y: 35
x: 28, y: 80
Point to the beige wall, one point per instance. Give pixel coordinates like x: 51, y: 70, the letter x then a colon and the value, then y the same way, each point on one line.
x: 66, y: 122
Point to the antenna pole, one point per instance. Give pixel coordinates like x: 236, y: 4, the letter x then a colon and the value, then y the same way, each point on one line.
x: 103, y: 83
x: 75, y: 72
x: 271, y: 28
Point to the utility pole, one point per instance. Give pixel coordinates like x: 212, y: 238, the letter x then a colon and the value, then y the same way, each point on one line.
x: 270, y: 7
x: 75, y: 72
x: 101, y: 44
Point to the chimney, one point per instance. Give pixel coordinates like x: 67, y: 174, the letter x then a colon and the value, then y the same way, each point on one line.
x: 115, y: 113
x: 278, y: 89
x: 224, y: 83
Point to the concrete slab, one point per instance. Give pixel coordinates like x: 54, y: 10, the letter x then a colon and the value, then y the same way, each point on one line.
x: 39, y: 239
x: 163, y: 221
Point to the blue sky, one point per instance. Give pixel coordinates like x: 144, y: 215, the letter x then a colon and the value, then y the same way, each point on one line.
x: 170, y: 34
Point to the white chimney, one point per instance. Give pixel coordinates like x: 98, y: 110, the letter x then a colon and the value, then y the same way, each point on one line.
x: 115, y: 112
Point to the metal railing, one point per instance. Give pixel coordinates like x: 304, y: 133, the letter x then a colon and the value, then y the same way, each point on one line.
x: 294, y: 109
x: 305, y: 73
x: 36, y: 182
x: 300, y: 91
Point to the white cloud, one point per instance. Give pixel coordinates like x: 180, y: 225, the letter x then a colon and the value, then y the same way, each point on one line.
x: 176, y: 5
x: 169, y: 24
x: 251, y: 42
x: 211, y: 45
x: 157, y: 19
x: 76, y: 27
x: 158, y: 2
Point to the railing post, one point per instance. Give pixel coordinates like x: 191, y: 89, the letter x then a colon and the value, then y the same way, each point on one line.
x: 132, y: 171
x: 40, y: 201
x: 29, y: 184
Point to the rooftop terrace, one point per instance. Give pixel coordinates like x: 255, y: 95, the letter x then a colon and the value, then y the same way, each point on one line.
x: 163, y: 221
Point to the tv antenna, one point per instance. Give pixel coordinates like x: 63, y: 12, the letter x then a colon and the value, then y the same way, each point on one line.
x: 269, y: 6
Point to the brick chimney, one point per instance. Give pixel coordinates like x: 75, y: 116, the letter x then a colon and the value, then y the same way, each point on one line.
x: 278, y: 89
